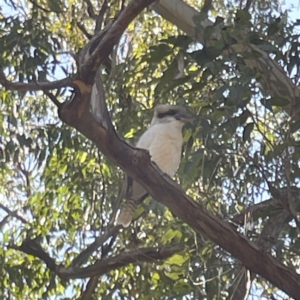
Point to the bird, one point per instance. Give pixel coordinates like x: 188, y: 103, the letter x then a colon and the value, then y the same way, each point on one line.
x: 163, y: 139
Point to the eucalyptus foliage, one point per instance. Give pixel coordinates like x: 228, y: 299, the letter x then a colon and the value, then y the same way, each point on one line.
x: 58, y: 190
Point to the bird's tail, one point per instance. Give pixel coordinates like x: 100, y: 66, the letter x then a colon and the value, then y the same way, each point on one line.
x: 127, y: 212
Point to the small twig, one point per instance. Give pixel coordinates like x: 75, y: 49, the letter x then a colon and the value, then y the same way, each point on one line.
x: 90, y: 9
x: 84, y: 31
x: 248, y: 4
x: 12, y: 213
x: 27, y: 179
x: 100, y: 17
x: 53, y: 99
x: 99, y: 241
x: 90, y: 287
x: 4, y: 221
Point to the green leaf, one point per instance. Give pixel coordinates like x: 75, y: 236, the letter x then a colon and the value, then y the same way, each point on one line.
x: 83, y: 157
x: 173, y: 276
x: 168, y: 236
x: 177, y: 259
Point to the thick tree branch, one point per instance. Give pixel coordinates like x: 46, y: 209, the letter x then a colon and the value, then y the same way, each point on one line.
x: 136, y: 163
x: 104, y: 44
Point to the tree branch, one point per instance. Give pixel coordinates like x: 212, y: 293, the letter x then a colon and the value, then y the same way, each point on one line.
x: 90, y: 287
x: 268, y: 207
x: 99, y: 241
x: 33, y: 86
x: 120, y: 260
x: 84, y: 30
x: 136, y: 163
x: 100, y: 17
x: 104, y: 44
x: 90, y: 9
x: 53, y: 99
x: 258, y: 210
x: 11, y: 213
x: 266, y: 241
x: 31, y: 247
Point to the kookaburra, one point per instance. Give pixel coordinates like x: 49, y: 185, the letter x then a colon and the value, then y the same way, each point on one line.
x: 163, y: 140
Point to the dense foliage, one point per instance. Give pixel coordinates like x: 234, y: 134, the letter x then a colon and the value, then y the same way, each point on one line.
x: 59, y: 191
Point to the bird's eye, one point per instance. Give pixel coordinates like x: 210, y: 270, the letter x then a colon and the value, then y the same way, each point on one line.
x: 171, y: 112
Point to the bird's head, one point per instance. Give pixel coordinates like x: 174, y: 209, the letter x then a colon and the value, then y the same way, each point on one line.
x: 167, y: 113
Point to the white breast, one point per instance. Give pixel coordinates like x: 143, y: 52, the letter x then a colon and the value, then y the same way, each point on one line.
x: 164, y: 142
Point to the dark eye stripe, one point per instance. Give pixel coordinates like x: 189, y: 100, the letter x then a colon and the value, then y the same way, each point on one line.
x: 171, y: 112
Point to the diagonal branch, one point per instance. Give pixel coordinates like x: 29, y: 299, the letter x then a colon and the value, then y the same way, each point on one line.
x: 90, y: 287
x: 11, y: 213
x: 136, y: 163
x: 120, y: 260
x: 99, y: 241
x: 107, y: 41
x: 53, y: 99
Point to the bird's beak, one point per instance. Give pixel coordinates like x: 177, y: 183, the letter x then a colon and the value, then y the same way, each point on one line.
x: 184, y: 118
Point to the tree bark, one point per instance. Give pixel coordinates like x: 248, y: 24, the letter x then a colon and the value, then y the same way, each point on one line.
x: 136, y: 163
